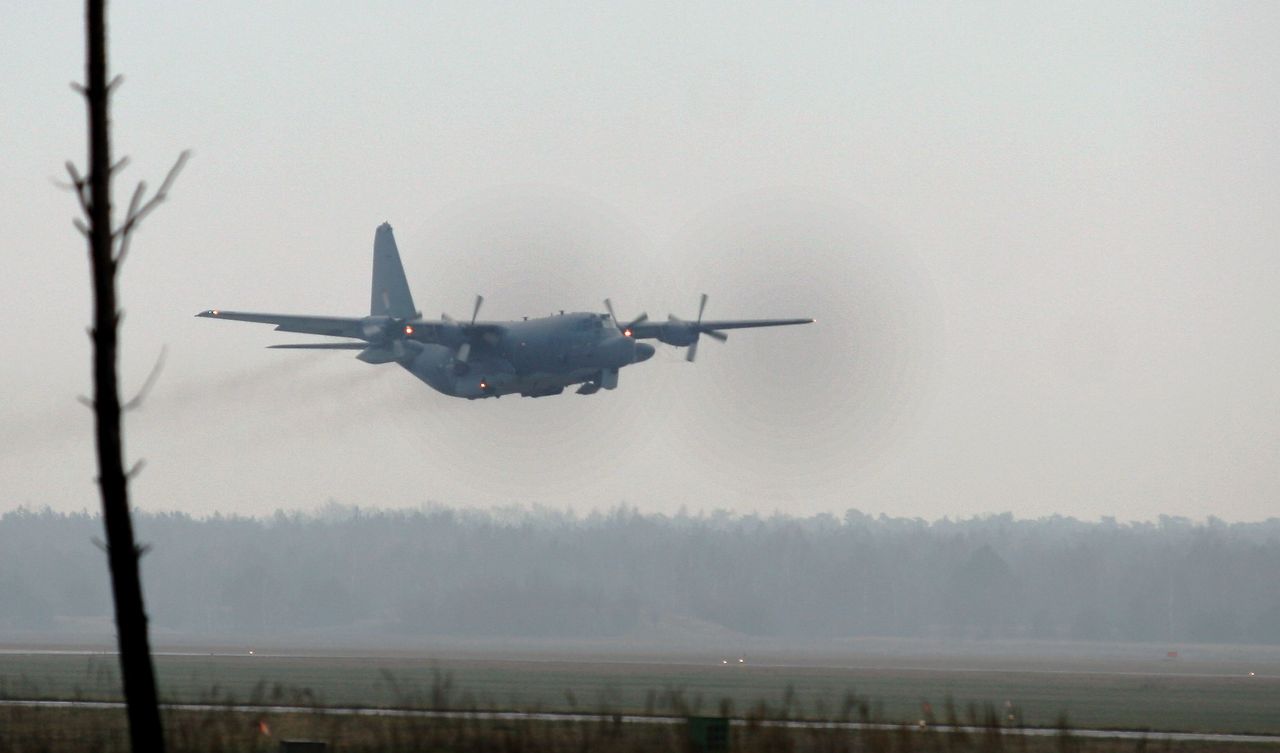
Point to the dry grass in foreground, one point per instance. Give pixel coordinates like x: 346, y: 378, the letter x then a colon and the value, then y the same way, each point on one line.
x: 62, y: 730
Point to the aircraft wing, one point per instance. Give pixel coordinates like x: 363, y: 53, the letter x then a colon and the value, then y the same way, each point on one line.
x: 448, y: 333
x: 657, y: 329
x: 746, y: 323
x: 334, y: 326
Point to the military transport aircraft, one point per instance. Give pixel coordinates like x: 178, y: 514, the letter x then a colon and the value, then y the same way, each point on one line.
x: 474, y: 359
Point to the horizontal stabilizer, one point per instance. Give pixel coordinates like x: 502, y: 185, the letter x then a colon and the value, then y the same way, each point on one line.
x: 382, y: 355
x: 321, y: 346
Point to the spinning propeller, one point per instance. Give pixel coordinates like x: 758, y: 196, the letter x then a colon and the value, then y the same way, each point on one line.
x: 464, y: 350
x: 625, y: 329
x: 693, y: 330
x: 387, y: 332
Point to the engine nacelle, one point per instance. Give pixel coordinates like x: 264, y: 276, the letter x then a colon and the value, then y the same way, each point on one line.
x: 678, y: 334
x: 377, y: 328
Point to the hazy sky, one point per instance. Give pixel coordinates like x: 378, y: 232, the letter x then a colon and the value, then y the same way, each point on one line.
x: 1040, y: 241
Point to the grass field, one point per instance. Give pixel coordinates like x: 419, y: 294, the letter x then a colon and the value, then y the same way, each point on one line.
x: 1200, y: 696
x: 224, y: 731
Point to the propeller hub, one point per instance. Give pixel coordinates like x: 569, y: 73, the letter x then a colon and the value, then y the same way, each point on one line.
x: 628, y: 329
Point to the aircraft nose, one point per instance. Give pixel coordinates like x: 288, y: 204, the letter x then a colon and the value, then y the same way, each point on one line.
x: 644, y: 352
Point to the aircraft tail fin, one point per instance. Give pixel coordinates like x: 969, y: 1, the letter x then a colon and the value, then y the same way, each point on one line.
x: 390, y: 295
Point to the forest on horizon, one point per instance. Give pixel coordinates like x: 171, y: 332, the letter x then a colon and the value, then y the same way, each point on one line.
x: 541, y: 573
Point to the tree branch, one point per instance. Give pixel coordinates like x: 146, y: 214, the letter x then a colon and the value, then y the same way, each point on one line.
x: 78, y: 184
x: 136, y: 401
x: 138, y: 210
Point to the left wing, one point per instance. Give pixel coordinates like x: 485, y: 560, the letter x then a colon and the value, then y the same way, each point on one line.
x: 746, y: 323
x: 660, y: 330
x: 679, y: 332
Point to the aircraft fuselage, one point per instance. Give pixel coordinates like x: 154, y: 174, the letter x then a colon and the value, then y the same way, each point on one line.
x: 532, y: 357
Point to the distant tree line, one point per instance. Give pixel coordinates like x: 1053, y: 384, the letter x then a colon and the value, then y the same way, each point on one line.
x: 542, y: 573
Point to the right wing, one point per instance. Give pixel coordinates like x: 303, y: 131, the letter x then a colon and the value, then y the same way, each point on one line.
x: 446, y: 333
x: 334, y: 326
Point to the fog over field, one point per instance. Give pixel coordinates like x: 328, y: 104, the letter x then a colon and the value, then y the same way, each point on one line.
x: 1039, y: 240
x: 367, y: 578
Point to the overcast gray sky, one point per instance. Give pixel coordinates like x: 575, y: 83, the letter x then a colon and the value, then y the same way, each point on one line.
x: 1040, y: 241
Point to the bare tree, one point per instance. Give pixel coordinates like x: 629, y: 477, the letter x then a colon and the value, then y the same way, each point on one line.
x: 108, y: 247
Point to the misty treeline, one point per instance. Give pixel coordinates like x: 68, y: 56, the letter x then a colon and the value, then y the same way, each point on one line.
x: 541, y: 573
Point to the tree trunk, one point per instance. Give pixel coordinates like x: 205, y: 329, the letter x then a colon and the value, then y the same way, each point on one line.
x: 131, y: 620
